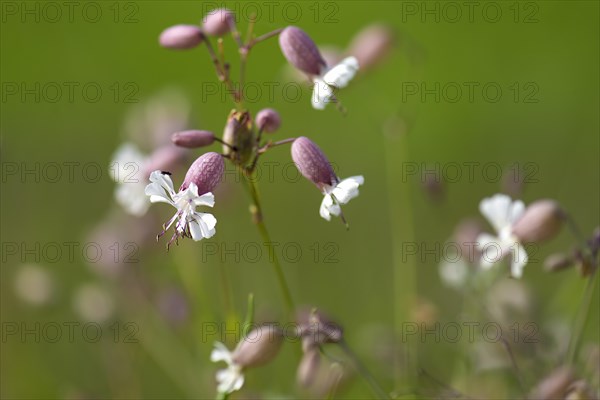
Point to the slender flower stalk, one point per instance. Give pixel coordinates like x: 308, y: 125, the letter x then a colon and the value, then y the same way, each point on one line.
x: 582, y: 317
x: 262, y: 228
x: 364, y: 372
x: 397, y: 154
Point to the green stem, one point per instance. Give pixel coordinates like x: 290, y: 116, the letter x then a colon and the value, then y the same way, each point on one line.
x: 581, y: 319
x: 222, y: 396
x: 364, y: 372
x: 262, y: 228
x: 404, y: 273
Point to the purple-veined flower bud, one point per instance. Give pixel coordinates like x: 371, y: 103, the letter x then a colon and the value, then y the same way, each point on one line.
x: 308, y: 367
x: 238, y: 137
x: 312, y: 162
x: 217, y: 22
x: 193, y: 138
x: 371, y: 45
x: 268, y: 120
x: 300, y: 51
x: 541, y: 221
x: 206, y: 172
x: 258, y: 347
x: 181, y: 37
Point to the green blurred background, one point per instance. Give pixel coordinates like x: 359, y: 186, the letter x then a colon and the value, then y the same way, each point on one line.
x: 556, y: 50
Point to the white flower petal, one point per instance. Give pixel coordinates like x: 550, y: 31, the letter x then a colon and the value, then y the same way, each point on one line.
x: 207, y: 199
x: 322, y: 94
x: 347, y: 189
x: 126, y: 163
x: 491, y: 250
x: 160, y: 189
x: 132, y: 197
x: 329, y: 207
x: 501, y: 211
x: 340, y: 75
x: 237, y: 383
x: 519, y: 260
x: 202, y: 226
x: 220, y: 353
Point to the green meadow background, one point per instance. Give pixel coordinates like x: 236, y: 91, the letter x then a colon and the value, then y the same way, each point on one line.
x: 545, y: 51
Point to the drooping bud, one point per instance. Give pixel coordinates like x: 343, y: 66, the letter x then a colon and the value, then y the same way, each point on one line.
x: 217, y: 22
x: 193, y: 138
x: 180, y: 37
x: 258, y: 347
x: 308, y: 367
x: 371, y: 45
x: 555, y: 385
x: 238, y: 137
x: 558, y: 262
x: 315, y: 329
x: 541, y: 221
x: 206, y: 172
x: 268, y: 120
x: 300, y: 51
x: 312, y: 162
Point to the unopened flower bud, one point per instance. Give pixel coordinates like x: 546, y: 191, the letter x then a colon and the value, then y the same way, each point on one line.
x: 238, y: 137
x: 558, y: 262
x: 315, y: 329
x: 300, y: 51
x: 217, y: 22
x: 541, y: 221
x: 268, y: 120
x: 555, y: 385
x: 181, y: 37
x: 206, y: 172
x: 258, y: 347
x: 308, y: 367
x: 193, y: 138
x: 371, y: 45
x: 312, y: 162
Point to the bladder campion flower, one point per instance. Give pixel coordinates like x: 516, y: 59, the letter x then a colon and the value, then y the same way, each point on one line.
x: 257, y: 348
x: 314, y: 166
x: 502, y: 213
x: 302, y: 52
x: 202, y: 177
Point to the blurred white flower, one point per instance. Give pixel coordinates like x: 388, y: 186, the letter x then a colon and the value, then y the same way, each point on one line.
x: 231, y: 378
x: 93, y: 303
x: 454, y: 273
x: 339, y: 194
x: 127, y: 165
x: 502, y: 213
x: 336, y: 77
x: 190, y: 223
x: 33, y: 284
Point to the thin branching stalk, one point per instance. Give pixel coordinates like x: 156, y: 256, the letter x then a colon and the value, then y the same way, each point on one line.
x: 262, y: 228
x: 364, y: 372
x: 404, y: 273
x: 582, y: 318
